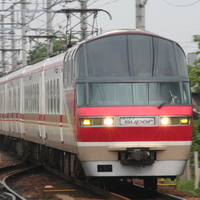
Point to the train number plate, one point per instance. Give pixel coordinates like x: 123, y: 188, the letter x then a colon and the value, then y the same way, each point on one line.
x: 137, y: 121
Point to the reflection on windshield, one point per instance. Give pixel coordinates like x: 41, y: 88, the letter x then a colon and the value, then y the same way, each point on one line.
x: 130, y: 55
x: 127, y: 94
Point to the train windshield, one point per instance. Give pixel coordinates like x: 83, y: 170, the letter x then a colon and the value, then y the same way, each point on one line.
x: 130, y: 55
x: 128, y: 94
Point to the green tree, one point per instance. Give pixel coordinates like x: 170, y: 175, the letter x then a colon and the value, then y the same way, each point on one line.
x: 194, y: 75
x: 40, y: 49
x: 194, y: 71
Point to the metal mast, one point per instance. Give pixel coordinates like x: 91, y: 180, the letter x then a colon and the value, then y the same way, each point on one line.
x: 2, y: 44
x: 49, y: 28
x: 14, y: 59
x: 140, y: 14
x: 23, y: 8
x: 83, y: 20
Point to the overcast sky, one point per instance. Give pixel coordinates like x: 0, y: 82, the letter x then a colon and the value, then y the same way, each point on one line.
x: 178, y: 20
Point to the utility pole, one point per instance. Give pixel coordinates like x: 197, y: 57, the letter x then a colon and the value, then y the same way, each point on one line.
x: 140, y: 14
x: 83, y: 20
x: 23, y: 8
x: 14, y: 59
x: 49, y: 28
x: 2, y: 44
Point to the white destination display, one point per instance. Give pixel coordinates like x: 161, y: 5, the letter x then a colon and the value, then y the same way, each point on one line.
x: 137, y: 121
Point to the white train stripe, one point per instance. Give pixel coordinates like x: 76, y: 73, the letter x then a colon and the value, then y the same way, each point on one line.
x: 150, y: 143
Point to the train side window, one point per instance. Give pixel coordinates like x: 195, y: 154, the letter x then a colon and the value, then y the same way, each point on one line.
x: 4, y: 101
x: 51, y: 96
x: 69, y: 64
x: 79, y: 63
x: 67, y: 70
x: 46, y: 97
x: 1, y: 101
x: 25, y: 99
x: 181, y: 62
x: 38, y: 97
x: 19, y: 99
x: 58, y: 96
x: 55, y: 95
x: 14, y: 100
x: 81, y: 97
x: 186, y: 93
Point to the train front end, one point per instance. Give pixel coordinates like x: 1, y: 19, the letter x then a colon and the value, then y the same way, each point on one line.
x: 134, y: 112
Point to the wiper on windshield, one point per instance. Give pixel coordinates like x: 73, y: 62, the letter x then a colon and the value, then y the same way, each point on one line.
x: 172, y: 100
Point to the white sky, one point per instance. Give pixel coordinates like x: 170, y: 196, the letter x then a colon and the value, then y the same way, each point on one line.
x: 178, y: 22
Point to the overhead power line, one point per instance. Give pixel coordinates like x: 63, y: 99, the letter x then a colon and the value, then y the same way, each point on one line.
x: 182, y: 5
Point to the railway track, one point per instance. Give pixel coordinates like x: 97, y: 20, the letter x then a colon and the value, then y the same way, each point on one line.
x: 12, y: 174
x: 9, y: 171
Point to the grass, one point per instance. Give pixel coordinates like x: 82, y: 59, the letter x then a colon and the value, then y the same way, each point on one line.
x: 186, y: 186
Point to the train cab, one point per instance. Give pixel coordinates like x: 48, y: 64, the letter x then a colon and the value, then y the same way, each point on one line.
x: 133, y: 105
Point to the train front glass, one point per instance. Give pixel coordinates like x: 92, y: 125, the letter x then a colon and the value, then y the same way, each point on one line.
x: 131, y: 70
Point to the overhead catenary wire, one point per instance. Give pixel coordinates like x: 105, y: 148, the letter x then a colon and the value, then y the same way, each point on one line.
x: 182, y: 5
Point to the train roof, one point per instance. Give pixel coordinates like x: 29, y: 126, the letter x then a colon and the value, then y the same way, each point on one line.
x: 122, y: 31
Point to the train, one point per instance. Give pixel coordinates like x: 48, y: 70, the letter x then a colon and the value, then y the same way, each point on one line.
x: 115, y: 106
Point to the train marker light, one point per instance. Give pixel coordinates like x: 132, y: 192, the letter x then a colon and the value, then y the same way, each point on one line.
x: 108, y: 121
x: 184, y: 120
x: 86, y: 122
x: 164, y: 121
x: 175, y: 120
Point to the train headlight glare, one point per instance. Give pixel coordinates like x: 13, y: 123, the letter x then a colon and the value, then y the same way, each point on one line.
x: 164, y: 120
x: 86, y: 122
x: 108, y: 121
x: 184, y: 120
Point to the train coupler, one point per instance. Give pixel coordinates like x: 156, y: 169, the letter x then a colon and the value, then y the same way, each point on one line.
x: 138, y: 157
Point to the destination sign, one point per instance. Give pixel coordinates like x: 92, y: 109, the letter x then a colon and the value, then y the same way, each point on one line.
x: 137, y: 121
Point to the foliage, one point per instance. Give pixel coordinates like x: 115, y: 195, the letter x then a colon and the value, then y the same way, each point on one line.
x: 40, y: 49
x: 194, y: 71
x: 187, y: 186
x: 196, y: 135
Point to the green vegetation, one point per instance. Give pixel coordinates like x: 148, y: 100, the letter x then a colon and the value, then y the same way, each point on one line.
x: 39, y: 51
x: 194, y: 75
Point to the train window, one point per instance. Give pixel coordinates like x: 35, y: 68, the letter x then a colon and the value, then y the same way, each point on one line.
x: 55, y: 95
x: 181, y: 60
x: 108, y: 57
x: 81, y: 94
x: 127, y: 94
x: 3, y: 102
x: 130, y: 55
x: 19, y: 99
x: 164, y: 59
x: 65, y: 70
x: 186, y: 93
x: 79, y: 63
x: 68, y: 69
x: 111, y: 94
x: 141, y: 54
x: 58, y: 96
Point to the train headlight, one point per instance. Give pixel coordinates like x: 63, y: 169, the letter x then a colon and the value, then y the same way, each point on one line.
x: 86, y: 122
x: 165, y: 120
x: 108, y: 121
x: 175, y: 120
x: 100, y: 121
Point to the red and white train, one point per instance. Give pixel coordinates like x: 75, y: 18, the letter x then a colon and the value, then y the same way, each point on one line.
x: 117, y: 105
